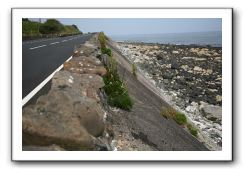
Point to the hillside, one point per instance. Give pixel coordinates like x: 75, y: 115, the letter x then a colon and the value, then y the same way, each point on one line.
x: 50, y: 28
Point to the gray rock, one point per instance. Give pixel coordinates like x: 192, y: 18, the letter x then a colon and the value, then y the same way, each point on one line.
x: 197, y: 69
x: 85, y: 65
x: 105, y: 59
x: 89, y: 49
x: 69, y: 115
x: 181, y: 80
x: 175, y: 65
x: 84, y: 84
x: 169, y: 74
x: 193, y: 108
x: 211, y: 112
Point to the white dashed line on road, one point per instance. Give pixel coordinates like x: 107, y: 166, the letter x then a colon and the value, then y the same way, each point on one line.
x: 54, y: 43
x: 64, y: 40
x: 37, y: 47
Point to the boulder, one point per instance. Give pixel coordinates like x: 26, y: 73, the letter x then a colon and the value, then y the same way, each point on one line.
x: 211, y: 112
x: 185, y: 67
x: 64, y: 118
x: 70, y: 114
x: 105, y: 59
x: 197, y: 69
x: 193, y: 108
x: 89, y: 49
x: 169, y: 74
x: 175, y: 52
x: 181, y: 80
x: 175, y: 65
x: 85, y: 84
x: 218, y: 98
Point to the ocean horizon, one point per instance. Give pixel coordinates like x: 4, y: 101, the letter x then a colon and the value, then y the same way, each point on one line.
x: 213, y: 38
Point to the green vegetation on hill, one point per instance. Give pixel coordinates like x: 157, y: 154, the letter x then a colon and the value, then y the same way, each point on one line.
x: 30, y: 28
x: 50, y: 28
x: 70, y: 29
x: 115, y: 89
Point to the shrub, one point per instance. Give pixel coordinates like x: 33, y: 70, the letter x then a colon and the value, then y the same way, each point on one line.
x: 69, y: 30
x: 192, y: 130
x: 122, y: 101
x: 51, y: 26
x: 134, y: 69
x: 169, y: 113
x: 118, y: 95
x: 115, y: 89
x: 30, y: 28
x: 106, y: 51
x: 102, y: 40
x: 180, y: 118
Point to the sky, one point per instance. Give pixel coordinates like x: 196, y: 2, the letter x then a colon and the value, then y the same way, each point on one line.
x: 127, y: 26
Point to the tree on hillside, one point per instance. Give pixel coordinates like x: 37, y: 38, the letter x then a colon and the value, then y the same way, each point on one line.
x: 75, y: 27
x: 25, y: 19
x: 51, y: 26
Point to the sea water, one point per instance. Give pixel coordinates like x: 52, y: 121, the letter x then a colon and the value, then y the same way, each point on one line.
x: 189, y: 38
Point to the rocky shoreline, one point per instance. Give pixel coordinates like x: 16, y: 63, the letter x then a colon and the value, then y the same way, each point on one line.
x: 190, y: 77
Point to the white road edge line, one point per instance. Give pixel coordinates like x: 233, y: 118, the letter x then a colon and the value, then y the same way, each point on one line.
x: 33, y: 92
x: 54, y: 43
x: 37, y: 47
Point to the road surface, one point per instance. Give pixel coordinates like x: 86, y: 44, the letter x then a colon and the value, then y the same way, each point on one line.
x: 41, y: 57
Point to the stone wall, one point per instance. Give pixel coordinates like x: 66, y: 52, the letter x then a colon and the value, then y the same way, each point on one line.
x: 70, y: 115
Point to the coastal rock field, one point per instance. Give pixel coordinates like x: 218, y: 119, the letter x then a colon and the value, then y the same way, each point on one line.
x: 191, y: 79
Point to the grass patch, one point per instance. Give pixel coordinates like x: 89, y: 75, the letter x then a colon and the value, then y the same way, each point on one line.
x: 106, y: 51
x: 192, y: 130
x: 134, y: 69
x: 169, y: 113
x: 180, y: 119
x: 102, y: 40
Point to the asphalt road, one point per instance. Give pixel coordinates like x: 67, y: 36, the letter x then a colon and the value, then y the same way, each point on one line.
x: 42, y: 57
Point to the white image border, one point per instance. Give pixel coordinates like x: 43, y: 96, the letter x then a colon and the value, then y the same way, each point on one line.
x: 19, y: 155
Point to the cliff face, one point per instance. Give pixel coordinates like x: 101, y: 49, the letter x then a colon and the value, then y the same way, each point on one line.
x: 70, y: 115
